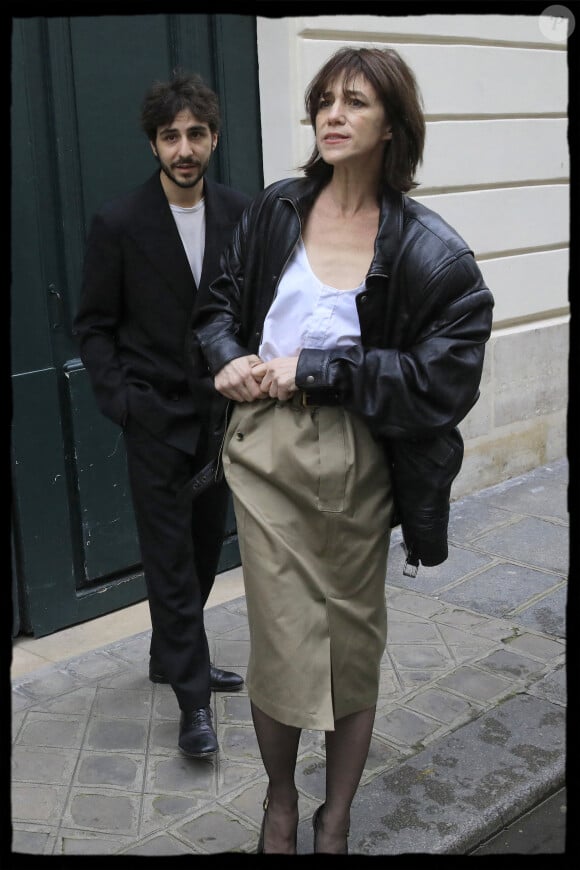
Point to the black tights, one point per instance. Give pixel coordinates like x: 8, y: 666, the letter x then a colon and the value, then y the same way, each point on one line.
x: 347, y: 749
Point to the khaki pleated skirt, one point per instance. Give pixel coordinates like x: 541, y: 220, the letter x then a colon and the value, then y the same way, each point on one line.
x: 313, y: 502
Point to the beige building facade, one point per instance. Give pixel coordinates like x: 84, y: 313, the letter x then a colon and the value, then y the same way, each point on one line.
x: 496, y: 167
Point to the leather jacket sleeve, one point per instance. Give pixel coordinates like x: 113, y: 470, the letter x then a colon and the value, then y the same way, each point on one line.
x: 217, y: 324
x: 230, y: 322
x: 430, y: 382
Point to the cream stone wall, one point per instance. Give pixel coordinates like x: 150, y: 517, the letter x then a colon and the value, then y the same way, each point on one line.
x: 496, y: 167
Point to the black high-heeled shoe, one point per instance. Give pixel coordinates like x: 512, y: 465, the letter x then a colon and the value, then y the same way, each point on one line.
x: 315, y: 826
x: 260, y: 849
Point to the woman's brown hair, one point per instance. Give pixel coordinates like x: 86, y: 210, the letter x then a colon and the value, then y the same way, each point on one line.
x: 397, y: 89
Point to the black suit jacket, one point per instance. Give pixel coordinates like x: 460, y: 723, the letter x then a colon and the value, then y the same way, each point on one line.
x: 138, y: 295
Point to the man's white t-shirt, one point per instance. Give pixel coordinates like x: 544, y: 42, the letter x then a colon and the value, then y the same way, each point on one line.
x: 191, y: 225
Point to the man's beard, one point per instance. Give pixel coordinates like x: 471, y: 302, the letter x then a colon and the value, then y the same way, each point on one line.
x: 191, y: 182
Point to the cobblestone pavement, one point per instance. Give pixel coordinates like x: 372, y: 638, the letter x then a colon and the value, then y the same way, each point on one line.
x: 469, y: 733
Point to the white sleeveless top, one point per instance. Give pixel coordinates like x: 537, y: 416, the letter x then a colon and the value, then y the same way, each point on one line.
x: 306, y: 313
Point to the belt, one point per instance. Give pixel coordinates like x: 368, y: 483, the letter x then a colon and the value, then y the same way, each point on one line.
x: 319, y: 398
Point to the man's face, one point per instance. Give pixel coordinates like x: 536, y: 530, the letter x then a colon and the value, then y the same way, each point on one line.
x: 184, y: 149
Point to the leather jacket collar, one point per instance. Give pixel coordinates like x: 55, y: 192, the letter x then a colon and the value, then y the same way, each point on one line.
x: 303, y: 192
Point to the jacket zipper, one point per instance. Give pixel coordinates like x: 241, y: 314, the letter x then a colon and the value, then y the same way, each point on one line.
x: 218, y: 463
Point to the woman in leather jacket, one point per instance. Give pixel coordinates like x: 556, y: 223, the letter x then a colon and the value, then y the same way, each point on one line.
x: 347, y: 331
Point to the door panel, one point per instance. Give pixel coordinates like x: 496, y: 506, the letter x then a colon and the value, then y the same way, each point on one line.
x: 50, y: 587
x: 77, y: 87
x: 109, y: 541
x: 111, y: 68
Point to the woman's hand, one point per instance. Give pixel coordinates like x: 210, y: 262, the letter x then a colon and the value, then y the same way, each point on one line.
x: 278, y: 377
x: 236, y: 380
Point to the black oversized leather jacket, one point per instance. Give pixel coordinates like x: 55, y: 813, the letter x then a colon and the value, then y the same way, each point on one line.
x: 425, y: 316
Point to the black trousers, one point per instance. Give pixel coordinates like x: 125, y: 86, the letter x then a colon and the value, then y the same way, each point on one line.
x: 180, y: 542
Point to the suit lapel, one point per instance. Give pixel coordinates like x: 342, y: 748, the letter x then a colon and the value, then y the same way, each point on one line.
x: 155, y: 230
x: 215, y: 233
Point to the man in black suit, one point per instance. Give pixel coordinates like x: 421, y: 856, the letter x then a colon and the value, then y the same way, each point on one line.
x: 150, y: 257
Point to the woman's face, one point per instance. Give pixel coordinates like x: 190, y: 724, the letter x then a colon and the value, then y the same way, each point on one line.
x: 350, y: 123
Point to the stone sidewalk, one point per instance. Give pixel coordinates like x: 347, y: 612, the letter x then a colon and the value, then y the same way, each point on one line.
x: 469, y: 733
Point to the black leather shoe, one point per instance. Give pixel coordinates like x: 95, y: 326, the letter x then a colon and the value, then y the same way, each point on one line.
x: 260, y: 848
x: 224, y: 681
x: 316, y: 826
x: 196, y: 735
x: 219, y: 681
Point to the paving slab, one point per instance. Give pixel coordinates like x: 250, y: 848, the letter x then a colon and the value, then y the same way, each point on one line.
x: 470, y: 731
x: 451, y: 796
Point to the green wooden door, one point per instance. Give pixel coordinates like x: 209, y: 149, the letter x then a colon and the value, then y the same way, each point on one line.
x: 77, y: 86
